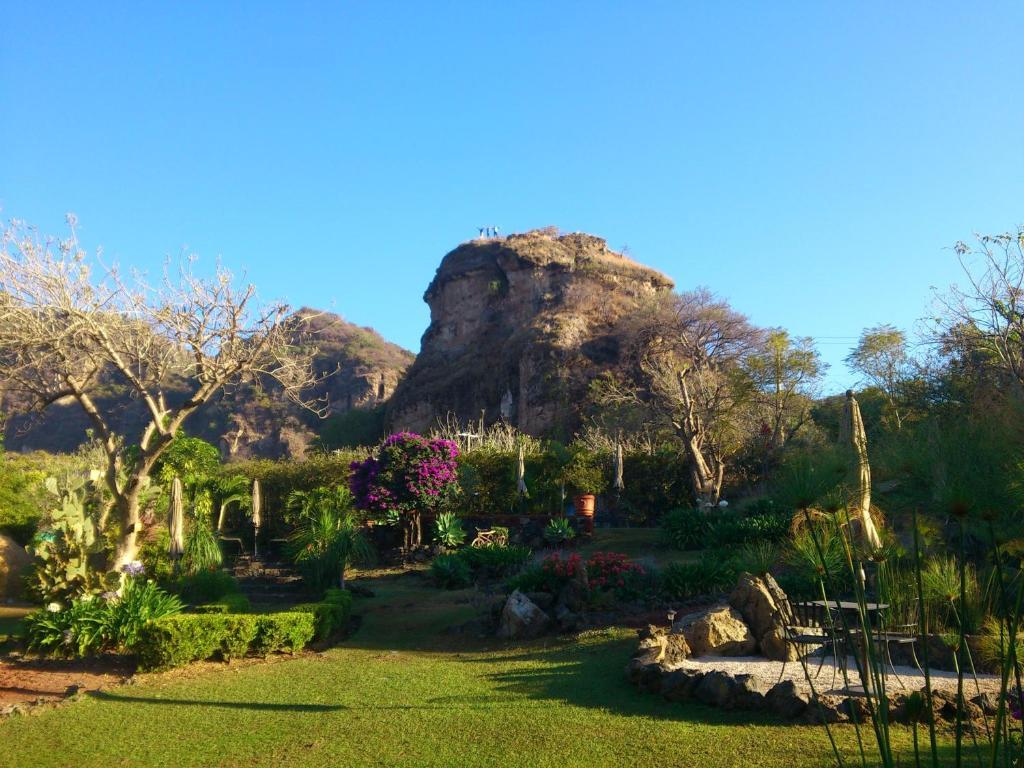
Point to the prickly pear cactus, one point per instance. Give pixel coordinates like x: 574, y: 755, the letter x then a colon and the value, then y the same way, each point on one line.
x: 69, y: 550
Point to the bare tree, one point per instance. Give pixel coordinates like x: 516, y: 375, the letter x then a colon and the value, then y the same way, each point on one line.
x: 986, y: 316
x: 687, y: 351
x: 68, y: 323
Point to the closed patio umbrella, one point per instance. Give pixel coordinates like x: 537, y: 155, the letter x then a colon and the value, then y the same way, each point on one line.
x: 176, y: 521
x: 617, y: 482
x: 257, y: 504
x: 521, y: 472
x: 853, y: 431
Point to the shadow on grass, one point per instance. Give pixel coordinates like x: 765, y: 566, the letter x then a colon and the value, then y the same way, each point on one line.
x: 252, y: 705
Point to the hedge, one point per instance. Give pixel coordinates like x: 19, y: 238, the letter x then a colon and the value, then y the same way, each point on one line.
x: 331, y: 614
x: 181, y: 639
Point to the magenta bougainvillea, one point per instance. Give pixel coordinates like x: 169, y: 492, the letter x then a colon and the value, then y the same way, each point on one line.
x: 410, y: 474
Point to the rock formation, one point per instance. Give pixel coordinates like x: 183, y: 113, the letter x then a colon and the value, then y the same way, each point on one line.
x: 519, y: 328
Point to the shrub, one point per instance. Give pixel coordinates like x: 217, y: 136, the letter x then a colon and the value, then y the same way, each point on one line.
x: 583, y: 474
x: 290, y: 631
x: 230, y: 603
x: 90, y: 624
x: 331, y: 614
x: 759, y: 557
x: 558, y: 531
x: 177, y: 640
x: 685, y: 529
x: 448, y: 530
x: 325, y: 543
x: 531, y: 579
x: 716, y: 571
x: 75, y: 630
x: 730, y: 529
x: 451, y: 571
x: 140, y: 602
x: 205, y: 587
x: 411, y: 474
x: 612, y: 571
x: 202, y: 550
x: 494, y: 560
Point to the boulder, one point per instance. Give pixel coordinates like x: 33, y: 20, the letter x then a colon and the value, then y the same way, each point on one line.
x: 786, y: 699
x: 718, y: 630
x: 15, y: 564
x: 521, y: 619
x: 660, y: 646
x: 716, y: 689
x: 765, y: 609
x: 749, y: 692
x: 679, y: 684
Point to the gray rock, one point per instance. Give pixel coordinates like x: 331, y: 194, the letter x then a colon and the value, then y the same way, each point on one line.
x: 679, y: 684
x: 749, y: 692
x: 521, y: 619
x: 715, y: 689
x: 543, y: 600
x: 786, y: 699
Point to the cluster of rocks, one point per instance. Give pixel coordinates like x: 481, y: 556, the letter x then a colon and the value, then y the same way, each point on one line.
x: 754, y: 620
x: 655, y: 669
x: 528, y: 615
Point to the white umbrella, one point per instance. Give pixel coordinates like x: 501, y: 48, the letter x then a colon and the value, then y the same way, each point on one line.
x: 617, y: 483
x: 853, y: 430
x: 521, y: 471
x: 176, y: 521
x: 257, y: 503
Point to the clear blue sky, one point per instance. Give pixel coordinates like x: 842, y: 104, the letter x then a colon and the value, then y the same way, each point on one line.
x: 811, y: 162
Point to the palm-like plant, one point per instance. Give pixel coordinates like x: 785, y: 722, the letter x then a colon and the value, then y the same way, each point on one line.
x: 324, y: 544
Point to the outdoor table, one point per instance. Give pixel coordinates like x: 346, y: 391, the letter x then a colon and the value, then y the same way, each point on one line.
x: 855, y: 633
x: 849, y: 605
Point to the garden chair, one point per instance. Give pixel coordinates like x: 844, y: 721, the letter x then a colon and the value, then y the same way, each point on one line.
x: 811, y: 627
x: 887, y: 635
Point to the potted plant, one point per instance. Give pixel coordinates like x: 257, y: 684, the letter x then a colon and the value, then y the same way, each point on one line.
x: 585, y: 478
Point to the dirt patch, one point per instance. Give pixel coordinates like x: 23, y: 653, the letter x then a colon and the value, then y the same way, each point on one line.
x: 24, y: 680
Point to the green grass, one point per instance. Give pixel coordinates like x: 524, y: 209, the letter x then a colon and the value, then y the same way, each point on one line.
x: 403, y: 691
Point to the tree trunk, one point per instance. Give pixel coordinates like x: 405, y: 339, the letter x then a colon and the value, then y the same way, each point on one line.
x: 127, y: 550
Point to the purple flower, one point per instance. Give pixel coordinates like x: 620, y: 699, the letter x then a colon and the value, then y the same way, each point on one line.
x: 134, y: 568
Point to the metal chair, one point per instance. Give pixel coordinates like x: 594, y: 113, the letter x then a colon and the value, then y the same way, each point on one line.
x: 809, y: 626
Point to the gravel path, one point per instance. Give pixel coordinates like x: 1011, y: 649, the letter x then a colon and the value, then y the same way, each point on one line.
x: 905, y: 680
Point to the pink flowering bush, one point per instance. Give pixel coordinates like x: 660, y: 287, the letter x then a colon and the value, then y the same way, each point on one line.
x: 410, y: 474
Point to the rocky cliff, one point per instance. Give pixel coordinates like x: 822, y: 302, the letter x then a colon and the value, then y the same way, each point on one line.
x: 363, y: 369
x: 519, y: 327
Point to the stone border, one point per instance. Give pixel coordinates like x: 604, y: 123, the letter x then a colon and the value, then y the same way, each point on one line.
x: 652, y: 670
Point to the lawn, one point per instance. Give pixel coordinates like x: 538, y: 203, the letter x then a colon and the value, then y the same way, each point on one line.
x: 403, y: 691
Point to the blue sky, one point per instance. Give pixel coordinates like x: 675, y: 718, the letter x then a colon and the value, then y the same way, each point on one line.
x: 811, y: 162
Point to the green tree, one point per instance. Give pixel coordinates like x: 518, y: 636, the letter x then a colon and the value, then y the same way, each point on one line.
x: 785, y: 372
x: 881, y: 359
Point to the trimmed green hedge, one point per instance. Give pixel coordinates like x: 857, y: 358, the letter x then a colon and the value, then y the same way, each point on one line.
x: 181, y: 639
x: 236, y: 603
x: 331, y: 614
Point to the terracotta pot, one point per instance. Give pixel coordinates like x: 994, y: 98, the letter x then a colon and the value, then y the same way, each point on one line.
x: 585, y: 509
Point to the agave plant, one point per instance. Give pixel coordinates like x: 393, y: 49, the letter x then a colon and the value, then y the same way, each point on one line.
x: 448, y: 530
x: 558, y: 531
